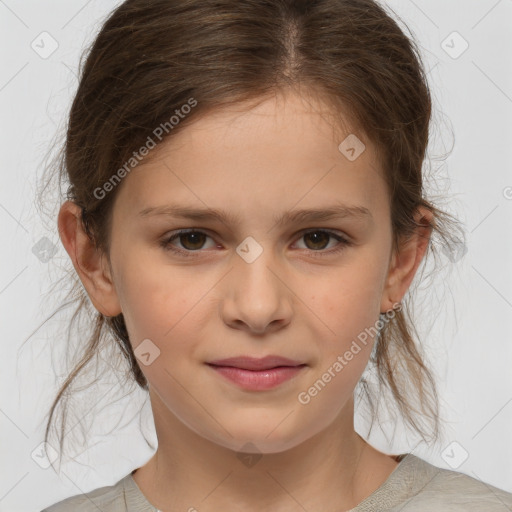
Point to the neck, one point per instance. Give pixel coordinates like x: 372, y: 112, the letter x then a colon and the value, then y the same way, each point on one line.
x: 332, y: 470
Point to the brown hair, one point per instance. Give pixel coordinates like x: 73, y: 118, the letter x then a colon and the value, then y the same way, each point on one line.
x: 150, y: 58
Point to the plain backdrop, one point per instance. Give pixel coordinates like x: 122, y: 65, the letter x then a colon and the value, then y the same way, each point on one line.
x: 467, y: 49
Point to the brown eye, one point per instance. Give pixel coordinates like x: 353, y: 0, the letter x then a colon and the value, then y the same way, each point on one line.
x: 190, y: 241
x: 316, y: 242
x: 193, y: 240
x: 319, y: 239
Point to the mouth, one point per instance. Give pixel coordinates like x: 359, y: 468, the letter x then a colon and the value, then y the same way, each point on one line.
x: 257, y: 364
x: 252, y: 374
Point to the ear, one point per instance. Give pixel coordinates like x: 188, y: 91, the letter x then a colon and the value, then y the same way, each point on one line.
x: 405, y: 262
x: 90, y: 264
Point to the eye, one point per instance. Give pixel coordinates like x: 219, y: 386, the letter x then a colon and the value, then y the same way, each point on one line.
x: 318, y: 239
x: 193, y: 240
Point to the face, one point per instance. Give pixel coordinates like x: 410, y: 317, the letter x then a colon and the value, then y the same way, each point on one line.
x: 247, y: 284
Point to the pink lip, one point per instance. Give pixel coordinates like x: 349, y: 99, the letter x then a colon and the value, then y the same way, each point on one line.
x: 258, y: 380
x: 254, y: 363
x: 257, y: 374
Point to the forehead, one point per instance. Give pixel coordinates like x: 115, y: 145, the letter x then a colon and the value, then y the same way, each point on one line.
x: 282, y: 122
x: 280, y: 152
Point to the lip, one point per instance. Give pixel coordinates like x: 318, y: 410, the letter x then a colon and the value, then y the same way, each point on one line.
x: 254, y: 363
x: 258, y: 380
x: 257, y: 374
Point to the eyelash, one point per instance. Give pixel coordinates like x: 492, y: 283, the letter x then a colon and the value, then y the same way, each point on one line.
x: 344, y: 242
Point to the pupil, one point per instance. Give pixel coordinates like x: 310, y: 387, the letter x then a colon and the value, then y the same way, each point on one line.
x: 190, y: 236
x: 314, y: 235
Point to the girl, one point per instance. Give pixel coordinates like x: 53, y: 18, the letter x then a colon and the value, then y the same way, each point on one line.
x: 246, y: 213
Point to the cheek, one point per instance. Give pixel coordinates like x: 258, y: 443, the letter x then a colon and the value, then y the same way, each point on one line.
x: 167, y: 308
x: 348, y: 305
x: 159, y: 302
x: 348, y: 299
x: 343, y: 314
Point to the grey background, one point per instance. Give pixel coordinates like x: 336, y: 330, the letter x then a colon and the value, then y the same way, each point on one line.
x: 469, y: 343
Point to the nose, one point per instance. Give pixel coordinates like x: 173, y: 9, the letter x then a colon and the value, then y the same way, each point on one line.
x: 256, y: 297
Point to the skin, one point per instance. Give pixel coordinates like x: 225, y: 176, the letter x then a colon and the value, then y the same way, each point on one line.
x: 255, y: 163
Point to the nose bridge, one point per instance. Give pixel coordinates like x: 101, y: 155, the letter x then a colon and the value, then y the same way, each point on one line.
x: 253, y: 266
x: 255, y: 296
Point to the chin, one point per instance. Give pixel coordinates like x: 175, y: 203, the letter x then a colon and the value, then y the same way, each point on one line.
x: 261, y: 437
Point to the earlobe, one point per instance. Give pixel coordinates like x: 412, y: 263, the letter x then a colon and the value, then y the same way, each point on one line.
x: 405, y: 261
x: 90, y: 264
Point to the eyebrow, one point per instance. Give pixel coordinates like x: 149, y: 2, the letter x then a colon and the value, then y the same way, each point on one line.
x: 293, y: 216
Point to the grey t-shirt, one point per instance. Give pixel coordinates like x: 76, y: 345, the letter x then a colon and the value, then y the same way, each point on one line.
x: 414, y: 486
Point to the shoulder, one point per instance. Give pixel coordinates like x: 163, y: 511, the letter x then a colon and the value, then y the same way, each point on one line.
x: 452, y: 491
x: 107, y: 499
